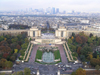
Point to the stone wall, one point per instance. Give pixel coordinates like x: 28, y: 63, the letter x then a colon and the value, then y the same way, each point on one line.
x: 12, y: 32
x: 95, y: 33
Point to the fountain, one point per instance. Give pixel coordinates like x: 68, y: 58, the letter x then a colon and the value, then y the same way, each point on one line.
x: 48, y: 56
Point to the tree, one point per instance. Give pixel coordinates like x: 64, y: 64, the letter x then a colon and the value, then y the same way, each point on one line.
x: 26, y: 40
x: 84, y: 39
x: 24, y: 46
x: 90, y: 35
x: 86, y: 50
x: 2, y: 73
x: 78, y: 39
x: 90, y: 56
x: 95, y: 62
x: 2, y: 62
x: 15, y: 50
x: 98, y: 57
x: 5, y: 55
x: 72, y: 37
x: 20, y: 73
x: 73, y: 47
x: 75, y: 54
x: 95, y: 54
x: 27, y: 71
x: 8, y: 64
x: 3, y: 43
x: 14, y: 39
x: 12, y: 58
x: 80, y: 71
x: 22, y: 52
x: 73, y: 34
x: 73, y: 73
x: 1, y: 38
x: 97, y: 67
x: 79, y: 50
x: 69, y: 41
x: 90, y: 40
x: 18, y: 47
x: 82, y: 57
x: 13, y: 45
x: 20, y: 43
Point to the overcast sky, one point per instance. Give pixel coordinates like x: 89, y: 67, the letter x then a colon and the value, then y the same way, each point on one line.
x: 68, y: 5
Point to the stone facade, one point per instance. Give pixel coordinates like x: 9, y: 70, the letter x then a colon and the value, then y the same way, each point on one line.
x: 34, y: 32
x: 12, y: 32
x: 60, y: 33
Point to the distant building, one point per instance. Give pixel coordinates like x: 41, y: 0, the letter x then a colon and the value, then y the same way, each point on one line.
x: 57, y: 10
x: 5, y: 27
x: 84, y: 21
x: 53, y: 10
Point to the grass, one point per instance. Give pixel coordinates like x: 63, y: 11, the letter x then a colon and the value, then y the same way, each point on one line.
x: 57, y: 54
x: 39, y: 54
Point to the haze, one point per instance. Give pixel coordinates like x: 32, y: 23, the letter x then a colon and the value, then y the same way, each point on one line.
x: 67, y: 5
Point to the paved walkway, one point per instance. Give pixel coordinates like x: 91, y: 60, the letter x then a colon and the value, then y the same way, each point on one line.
x: 62, y: 53
x: 33, y: 54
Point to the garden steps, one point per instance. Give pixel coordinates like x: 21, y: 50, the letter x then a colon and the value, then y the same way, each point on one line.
x: 69, y: 50
x: 29, y: 52
x: 66, y: 52
x: 26, y: 51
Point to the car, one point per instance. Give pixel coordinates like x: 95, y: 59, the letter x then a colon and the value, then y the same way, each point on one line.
x: 67, y: 65
x: 63, y: 69
x: 33, y: 72
x: 29, y: 67
x: 59, y: 66
x: 56, y: 64
x: 73, y: 63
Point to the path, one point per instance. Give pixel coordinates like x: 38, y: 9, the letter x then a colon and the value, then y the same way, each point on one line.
x: 33, y: 54
x: 62, y: 53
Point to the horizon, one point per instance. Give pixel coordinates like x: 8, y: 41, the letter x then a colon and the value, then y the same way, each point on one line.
x: 63, y: 5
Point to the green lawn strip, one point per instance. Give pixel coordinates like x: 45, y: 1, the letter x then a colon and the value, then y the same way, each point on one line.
x: 57, y: 55
x: 68, y: 52
x: 30, y: 53
x: 27, y: 52
x: 38, y: 55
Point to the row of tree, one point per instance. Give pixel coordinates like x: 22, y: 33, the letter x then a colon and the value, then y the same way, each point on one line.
x: 5, y: 64
x: 80, y: 71
x: 26, y: 71
x: 18, y: 26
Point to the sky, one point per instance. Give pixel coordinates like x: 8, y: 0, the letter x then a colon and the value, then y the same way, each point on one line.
x: 67, y: 5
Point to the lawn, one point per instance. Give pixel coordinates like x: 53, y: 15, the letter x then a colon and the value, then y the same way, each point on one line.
x: 57, y: 54
x: 39, y: 54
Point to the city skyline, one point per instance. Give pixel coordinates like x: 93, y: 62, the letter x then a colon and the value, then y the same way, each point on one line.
x: 67, y: 5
